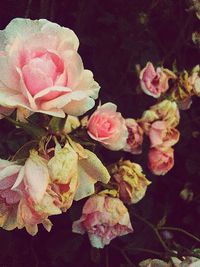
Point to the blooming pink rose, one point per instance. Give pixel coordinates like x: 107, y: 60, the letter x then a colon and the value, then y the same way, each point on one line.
x: 160, y: 161
x: 135, y: 137
x: 154, y: 82
x: 103, y: 218
x: 108, y: 127
x: 41, y: 71
x: 160, y: 135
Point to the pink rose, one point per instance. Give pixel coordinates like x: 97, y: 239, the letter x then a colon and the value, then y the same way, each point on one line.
x: 160, y: 161
x: 154, y: 82
x: 160, y: 135
x: 135, y: 137
x: 103, y: 218
x: 41, y: 71
x: 108, y: 127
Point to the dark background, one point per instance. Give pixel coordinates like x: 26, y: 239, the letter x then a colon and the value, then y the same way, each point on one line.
x: 115, y: 35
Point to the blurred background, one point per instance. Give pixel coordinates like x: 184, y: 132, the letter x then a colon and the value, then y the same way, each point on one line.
x: 116, y: 38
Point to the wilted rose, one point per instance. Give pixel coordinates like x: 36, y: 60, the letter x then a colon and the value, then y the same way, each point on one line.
x: 36, y: 204
x: 132, y: 183
x: 160, y: 135
x: 166, y: 111
x: 135, y: 137
x: 108, y: 127
x: 154, y: 82
x: 103, y: 218
x: 74, y: 171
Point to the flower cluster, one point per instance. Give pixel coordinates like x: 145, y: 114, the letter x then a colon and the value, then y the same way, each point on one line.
x: 159, y: 124
x: 46, y: 185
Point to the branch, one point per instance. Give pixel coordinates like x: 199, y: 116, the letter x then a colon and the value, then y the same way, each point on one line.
x: 181, y: 231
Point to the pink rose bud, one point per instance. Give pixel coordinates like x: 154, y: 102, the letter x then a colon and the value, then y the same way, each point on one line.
x: 154, y: 82
x: 135, y: 137
x: 108, y: 127
x: 41, y: 70
x: 103, y: 218
x: 160, y: 161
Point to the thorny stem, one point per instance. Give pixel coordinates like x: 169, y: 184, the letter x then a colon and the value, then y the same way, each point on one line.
x: 180, y: 230
x: 155, y: 230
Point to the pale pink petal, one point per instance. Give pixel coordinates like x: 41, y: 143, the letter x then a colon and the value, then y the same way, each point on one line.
x: 74, y: 67
x: 36, y: 177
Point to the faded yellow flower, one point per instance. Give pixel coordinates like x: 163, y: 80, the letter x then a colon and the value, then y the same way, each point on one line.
x: 132, y: 183
x: 74, y: 172
x: 167, y: 111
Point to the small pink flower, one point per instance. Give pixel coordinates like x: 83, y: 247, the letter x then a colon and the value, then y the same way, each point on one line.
x: 135, y: 137
x: 103, y: 218
x: 161, y: 135
x: 108, y: 127
x: 41, y: 71
x: 160, y: 161
x: 154, y: 82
